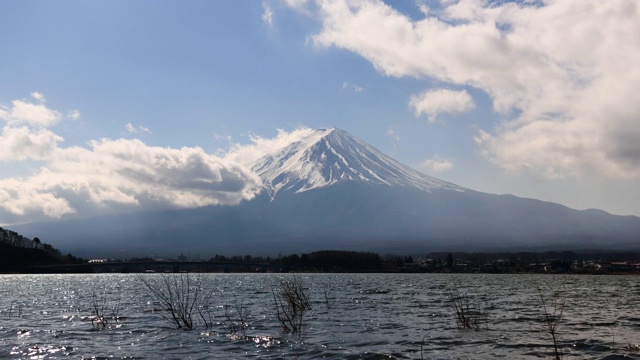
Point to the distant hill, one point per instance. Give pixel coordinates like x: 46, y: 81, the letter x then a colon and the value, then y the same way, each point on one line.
x: 18, y: 253
x: 328, y: 189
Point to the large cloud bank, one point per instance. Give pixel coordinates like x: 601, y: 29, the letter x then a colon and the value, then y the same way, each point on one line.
x: 563, y: 75
x: 107, y: 175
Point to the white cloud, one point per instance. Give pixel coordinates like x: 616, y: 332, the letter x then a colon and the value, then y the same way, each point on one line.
x: 296, y: 3
x: 434, y: 102
x: 38, y: 96
x: 18, y: 201
x: 111, y: 175
x: 25, y: 135
x: 126, y: 174
x: 259, y: 146
x: 22, y: 112
x: 74, y: 114
x: 138, y: 130
x: 562, y: 74
x: 353, y: 87
x: 424, y: 8
x: 267, y: 14
x: 299, y: 5
x: 437, y: 164
x: 21, y: 143
x: 393, y: 134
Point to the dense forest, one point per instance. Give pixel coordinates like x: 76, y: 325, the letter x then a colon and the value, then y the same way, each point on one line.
x: 324, y: 260
x: 18, y: 253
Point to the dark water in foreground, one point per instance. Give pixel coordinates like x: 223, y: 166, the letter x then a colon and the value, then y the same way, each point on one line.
x: 354, y: 316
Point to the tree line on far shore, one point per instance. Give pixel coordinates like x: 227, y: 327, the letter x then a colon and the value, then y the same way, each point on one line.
x: 18, y: 252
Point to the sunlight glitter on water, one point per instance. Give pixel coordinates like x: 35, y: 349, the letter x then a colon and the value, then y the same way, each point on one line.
x: 353, y: 316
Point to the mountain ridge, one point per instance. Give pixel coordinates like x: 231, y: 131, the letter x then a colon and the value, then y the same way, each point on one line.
x: 329, y: 189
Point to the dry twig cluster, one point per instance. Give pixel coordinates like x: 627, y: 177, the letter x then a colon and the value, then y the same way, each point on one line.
x: 552, y: 316
x: 183, y: 299
x: 102, y: 311
x: 291, y: 301
x: 469, y: 313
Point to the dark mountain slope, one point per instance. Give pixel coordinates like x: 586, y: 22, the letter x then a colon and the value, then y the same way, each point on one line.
x: 352, y: 217
x: 329, y: 190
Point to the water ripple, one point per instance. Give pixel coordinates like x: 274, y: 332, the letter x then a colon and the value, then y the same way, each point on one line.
x: 353, y: 316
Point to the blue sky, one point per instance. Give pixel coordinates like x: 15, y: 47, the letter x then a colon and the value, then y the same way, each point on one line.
x: 537, y: 99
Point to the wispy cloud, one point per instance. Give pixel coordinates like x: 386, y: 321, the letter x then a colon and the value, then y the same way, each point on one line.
x: 137, y: 130
x: 297, y: 4
x: 38, y: 96
x: 434, y: 102
x: 259, y: 146
x: 267, y: 14
x: 352, y: 87
x: 393, y: 134
x: 423, y: 7
x: 73, y: 114
x: 437, y: 164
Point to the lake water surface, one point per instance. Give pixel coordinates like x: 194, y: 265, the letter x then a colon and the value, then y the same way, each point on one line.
x: 353, y: 316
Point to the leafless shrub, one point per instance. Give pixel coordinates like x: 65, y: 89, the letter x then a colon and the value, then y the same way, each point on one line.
x: 15, y: 309
x: 291, y: 301
x: 204, y: 310
x: 553, y: 315
x: 470, y: 314
x: 103, y: 312
x: 327, y: 295
x: 183, y: 299
x: 236, y: 318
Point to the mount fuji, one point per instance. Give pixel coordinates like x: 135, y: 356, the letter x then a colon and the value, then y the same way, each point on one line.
x: 330, y: 190
x: 328, y: 157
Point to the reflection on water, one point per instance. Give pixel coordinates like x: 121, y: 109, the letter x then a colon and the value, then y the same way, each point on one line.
x: 354, y: 316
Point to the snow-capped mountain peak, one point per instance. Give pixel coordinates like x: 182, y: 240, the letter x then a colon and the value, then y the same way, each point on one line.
x: 325, y: 157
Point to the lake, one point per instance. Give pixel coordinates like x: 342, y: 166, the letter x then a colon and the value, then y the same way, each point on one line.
x: 353, y: 316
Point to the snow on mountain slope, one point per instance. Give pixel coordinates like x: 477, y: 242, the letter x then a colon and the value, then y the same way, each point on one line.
x: 325, y: 157
x: 405, y: 212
